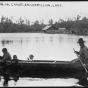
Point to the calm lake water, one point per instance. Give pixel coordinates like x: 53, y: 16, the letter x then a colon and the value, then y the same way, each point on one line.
x: 44, y: 47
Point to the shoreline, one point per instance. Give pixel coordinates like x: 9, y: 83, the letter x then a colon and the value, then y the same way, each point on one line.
x: 45, y: 33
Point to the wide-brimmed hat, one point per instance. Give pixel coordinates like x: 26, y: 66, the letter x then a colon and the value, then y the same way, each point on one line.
x: 80, y: 40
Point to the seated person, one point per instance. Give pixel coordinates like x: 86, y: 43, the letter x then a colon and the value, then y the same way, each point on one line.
x: 30, y: 57
x: 6, y: 56
x: 15, y: 59
x: 82, y: 54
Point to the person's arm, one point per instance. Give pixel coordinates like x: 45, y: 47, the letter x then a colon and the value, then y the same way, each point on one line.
x: 5, y: 57
x: 76, y: 52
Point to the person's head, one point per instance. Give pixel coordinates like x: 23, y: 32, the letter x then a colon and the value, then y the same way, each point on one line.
x: 4, y: 50
x: 81, y: 42
x: 31, y: 56
x: 14, y: 56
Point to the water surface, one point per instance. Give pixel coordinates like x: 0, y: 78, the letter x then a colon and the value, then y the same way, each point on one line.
x: 44, y: 47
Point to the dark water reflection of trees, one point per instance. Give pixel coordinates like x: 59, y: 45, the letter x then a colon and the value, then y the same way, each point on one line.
x: 6, y: 42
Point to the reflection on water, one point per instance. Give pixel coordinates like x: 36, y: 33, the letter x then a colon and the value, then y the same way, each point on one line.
x: 6, y: 42
x: 84, y: 80
x: 40, y: 82
x: 23, y: 81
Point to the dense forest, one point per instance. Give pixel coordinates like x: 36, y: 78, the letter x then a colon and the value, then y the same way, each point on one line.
x: 77, y: 26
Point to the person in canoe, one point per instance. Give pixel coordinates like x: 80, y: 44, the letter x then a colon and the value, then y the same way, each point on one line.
x: 83, y: 52
x: 15, y: 59
x: 6, y: 56
x: 30, y: 58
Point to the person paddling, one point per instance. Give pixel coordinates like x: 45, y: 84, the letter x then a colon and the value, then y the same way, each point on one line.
x: 83, y: 52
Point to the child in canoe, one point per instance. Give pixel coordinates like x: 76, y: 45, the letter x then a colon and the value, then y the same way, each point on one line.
x: 30, y: 58
x: 15, y: 59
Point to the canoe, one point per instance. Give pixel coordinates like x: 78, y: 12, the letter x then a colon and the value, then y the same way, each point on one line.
x: 45, y: 69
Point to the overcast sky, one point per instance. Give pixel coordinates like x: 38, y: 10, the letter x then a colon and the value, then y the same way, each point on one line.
x: 45, y: 10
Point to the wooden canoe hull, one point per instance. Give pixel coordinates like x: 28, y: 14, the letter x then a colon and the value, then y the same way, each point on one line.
x: 46, y: 69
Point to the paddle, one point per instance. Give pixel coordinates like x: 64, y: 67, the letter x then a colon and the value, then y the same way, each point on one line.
x: 81, y: 61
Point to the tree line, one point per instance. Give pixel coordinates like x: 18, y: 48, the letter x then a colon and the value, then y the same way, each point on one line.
x: 8, y: 26
x: 78, y: 26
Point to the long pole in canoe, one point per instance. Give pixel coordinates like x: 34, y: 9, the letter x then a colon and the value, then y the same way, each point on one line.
x: 81, y: 61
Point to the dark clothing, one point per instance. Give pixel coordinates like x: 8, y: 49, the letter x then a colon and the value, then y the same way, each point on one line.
x: 6, y: 57
x: 83, y: 53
